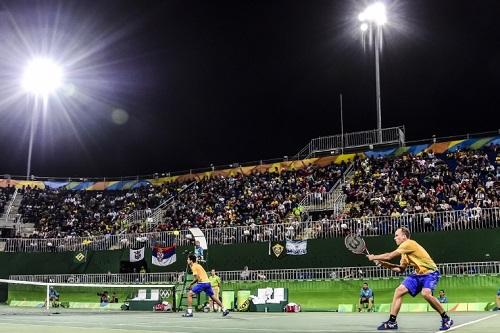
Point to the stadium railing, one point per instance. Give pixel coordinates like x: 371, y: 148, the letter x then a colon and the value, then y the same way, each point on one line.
x: 369, y: 226
x: 392, y: 135
x: 333, y: 200
x: 301, y: 154
x: 358, y: 272
x: 152, y: 217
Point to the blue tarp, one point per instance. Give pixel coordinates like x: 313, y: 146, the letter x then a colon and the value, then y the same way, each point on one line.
x: 55, y: 185
x: 380, y: 153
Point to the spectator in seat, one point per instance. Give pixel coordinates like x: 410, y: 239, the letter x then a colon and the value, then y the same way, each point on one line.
x: 245, y: 274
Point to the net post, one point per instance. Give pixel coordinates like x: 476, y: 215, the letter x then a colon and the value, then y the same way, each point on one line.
x: 47, y: 299
x: 174, y: 301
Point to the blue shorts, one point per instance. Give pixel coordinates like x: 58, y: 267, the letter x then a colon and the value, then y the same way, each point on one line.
x: 414, y: 282
x: 203, y: 286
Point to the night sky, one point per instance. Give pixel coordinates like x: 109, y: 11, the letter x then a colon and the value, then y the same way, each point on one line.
x: 231, y: 81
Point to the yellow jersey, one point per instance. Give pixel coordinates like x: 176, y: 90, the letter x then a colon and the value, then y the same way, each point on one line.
x: 412, y: 254
x: 200, y: 273
x: 215, y: 281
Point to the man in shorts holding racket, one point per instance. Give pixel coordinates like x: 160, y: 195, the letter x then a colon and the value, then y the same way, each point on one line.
x: 424, y: 280
x: 200, y: 283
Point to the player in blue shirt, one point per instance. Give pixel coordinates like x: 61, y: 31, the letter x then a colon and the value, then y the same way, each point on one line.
x: 365, y: 297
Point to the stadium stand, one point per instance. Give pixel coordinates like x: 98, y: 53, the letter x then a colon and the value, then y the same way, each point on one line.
x: 5, y: 194
x: 260, y: 198
x: 386, y: 184
x: 423, y: 183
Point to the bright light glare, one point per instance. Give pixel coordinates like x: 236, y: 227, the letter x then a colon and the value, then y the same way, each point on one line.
x: 374, y: 13
x: 42, y: 77
x: 364, y: 27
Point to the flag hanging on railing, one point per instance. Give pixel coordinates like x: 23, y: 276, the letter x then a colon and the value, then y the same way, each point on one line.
x: 296, y: 247
x: 136, y: 254
x: 80, y: 257
x: 277, y: 249
x: 163, y: 256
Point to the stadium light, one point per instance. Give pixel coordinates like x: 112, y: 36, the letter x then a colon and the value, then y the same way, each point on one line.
x: 372, y: 20
x: 374, y: 13
x: 41, y: 78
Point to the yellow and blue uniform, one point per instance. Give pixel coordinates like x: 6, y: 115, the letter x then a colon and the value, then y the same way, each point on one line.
x: 203, y: 283
x: 426, y: 273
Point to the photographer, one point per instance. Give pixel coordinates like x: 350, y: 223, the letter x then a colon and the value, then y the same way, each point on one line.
x: 104, y: 298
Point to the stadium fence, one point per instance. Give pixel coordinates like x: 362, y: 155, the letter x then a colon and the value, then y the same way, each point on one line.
x: 358, y: 272
x: 475, y: 218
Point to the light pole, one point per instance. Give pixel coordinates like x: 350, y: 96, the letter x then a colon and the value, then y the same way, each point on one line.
x: 372, y: 20
x: 42, y: 77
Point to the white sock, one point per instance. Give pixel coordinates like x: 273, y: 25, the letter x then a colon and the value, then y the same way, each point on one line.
x: 223, y: 309
x: 190, y: 310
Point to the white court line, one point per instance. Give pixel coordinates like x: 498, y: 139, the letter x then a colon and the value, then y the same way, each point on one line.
x: 89, y: 328
x: 471, y: 322
x: 161, y: 326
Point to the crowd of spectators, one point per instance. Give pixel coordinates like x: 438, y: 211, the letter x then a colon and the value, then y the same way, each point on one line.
x: 260, y: 198
x: 424, y: 183
x: 381, y: 186
x: 60, y: 212
x: 5, y: 195
x: 256, y: 199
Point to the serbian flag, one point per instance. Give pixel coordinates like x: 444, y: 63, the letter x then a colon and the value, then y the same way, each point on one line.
x: 163, y: 256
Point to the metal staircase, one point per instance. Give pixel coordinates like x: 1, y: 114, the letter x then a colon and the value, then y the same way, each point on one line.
x: 10, y: 219
x: 334, y: 200
x: 151, y: 218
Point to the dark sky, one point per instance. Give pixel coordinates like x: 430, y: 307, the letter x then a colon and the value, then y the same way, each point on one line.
x: 231, y: 81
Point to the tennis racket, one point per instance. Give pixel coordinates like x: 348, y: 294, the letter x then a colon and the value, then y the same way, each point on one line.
x: 356, y: 244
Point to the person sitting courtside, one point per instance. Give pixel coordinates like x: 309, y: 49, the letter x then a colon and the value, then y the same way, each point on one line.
x: 365, y: 297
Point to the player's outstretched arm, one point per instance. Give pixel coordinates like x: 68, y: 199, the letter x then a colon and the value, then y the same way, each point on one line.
x: 391, y: 266
x: 384, y: 256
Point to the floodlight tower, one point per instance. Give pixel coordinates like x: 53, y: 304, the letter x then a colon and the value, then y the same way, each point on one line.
x: 42, y: 77
x: 372, y: 20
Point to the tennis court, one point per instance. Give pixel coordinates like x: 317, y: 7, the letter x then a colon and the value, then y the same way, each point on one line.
x: 23, y: 320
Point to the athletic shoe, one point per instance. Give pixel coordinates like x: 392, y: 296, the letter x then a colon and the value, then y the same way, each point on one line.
x: 446, y: 324
x: 187, y: 314
x: 225, y: 313
x: 388, y: 325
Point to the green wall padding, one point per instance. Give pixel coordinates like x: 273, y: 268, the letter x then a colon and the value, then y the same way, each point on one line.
x: 449, y: 246
x: 445, y: 246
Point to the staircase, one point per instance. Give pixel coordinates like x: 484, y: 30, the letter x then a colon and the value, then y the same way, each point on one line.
x: 334, y: 200
x: 10, y: 219
x: 152, y: 218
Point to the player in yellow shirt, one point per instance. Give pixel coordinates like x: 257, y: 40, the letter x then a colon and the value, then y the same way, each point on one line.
x: 200, y: 283
x: 424, y: 280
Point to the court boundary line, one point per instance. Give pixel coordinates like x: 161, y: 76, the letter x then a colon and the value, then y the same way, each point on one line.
x: 469, y: 323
